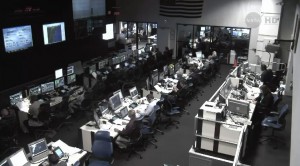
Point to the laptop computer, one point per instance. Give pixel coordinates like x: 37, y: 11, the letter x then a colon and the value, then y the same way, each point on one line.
x: 38, y: 150
x: 18, y: 158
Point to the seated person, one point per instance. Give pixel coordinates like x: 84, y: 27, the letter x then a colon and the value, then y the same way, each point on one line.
x: 34, y: 110
x: 54, y: 161
x: 151, y: 107
x: 266, y: 75
x: 263, y: 103
x: 7, y: 120
x: 131, y: 131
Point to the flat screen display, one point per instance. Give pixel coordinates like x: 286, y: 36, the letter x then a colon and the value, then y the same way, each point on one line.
x: 70, y: 70
x: 54, y: 33
x: 15, y: 98
x: 17, y: 38
x: 35, y: 90
x: 47, y: 87
x: 59, y: 82
x: 71, y: 79
x: 18, y: 158
x: 109, y: 32
x: 58, y: 73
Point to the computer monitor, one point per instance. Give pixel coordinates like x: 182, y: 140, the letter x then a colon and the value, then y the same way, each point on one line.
x: 77, y: 67
x: 35, y: 90
x: 71, y: 79
x: 166, y: 71
x: 47, y: 87
x: 38, y: 149
x: 15, y: 98
x: 222, y: 99
x: 92, y: 68
x: 238, y: 107
x: 225, y: 90
x: 96, y: 119
x: 101, y: 64
x: 120, y: 93
x: 103, y: 106
x: 161, y: 76
x: 176, y: 67
x: 4, y: 163
x: 59, y: 82
x: 133, y: 93
x: 70, y: 70
x: 115, y: 101
x: 18, y: 158
x: 58, y: 73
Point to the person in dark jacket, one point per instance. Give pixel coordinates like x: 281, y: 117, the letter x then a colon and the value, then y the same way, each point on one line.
x: 264, y: 101
x: 266, y: 75
x: 131, y: 131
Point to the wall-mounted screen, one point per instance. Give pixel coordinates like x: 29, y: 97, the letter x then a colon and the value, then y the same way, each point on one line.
x: 88, y: 8
x: 17, y: 38
x: 109, y: 32
x: 54, y: 33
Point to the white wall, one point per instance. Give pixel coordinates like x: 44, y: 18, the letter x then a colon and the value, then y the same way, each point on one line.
x: 295, y: 136
x: 215, y: 12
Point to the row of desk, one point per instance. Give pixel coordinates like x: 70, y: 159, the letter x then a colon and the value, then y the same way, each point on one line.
x: 221, y: 137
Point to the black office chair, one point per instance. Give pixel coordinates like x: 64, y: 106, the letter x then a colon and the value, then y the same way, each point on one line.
x: 276, y: 122
x: 62, y: 115
x: 169, y: 111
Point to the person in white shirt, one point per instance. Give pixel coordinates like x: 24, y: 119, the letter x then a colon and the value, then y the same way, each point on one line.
x: 34, y: 107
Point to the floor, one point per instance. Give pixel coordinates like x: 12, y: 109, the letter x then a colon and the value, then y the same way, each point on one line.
x: 174, y: 145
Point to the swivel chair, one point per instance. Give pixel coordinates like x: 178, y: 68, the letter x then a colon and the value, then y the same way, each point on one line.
x: 276, y: 122
x: 102, y: 150
x: 169, y: 111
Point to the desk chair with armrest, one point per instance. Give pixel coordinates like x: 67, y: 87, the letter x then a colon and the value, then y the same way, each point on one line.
x: 102, y: 150
x: 276, y: 121
x: 169, y: 111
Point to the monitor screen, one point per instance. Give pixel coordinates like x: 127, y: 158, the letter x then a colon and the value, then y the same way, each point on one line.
x: 115, y: 101
x: 35, y: 91
x: 18, y: 158
x: 38, y: 147
x: 101, y: 64
x: 54, y: 33
x: 59, y: 82
x: 77, y: 67
x: 4, y: 163
x: 17, y: 38
x: 58, y: 152
x: 47, y: 87
x: 92, y: 68
x: 133, y: 92
x: 103, y: 106
x: 70, y: 70
x: 238, y: 107
x: 96, y: 119
x: 71, y: 78
x: 119, y: 92
x: 109, y: 32
x: 15, y: 98
x: 225, y: 90
x: 123, y: 112
x: 58, y: 73
x: 166, y: 70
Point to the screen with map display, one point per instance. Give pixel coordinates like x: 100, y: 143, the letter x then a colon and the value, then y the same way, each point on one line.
x: 54, y: 33
x: 17, y: 38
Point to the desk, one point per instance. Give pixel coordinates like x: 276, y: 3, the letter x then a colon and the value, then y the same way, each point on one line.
x: 220, y: 139
x: 75, y: 154
x: 88, y: 130
x: 166, y: 89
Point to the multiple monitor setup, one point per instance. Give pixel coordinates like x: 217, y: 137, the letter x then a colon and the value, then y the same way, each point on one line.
x: 48, y: 86
x: 115, y: 101
x: 20, y: 38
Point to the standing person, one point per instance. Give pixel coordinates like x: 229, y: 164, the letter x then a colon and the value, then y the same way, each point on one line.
x: 266, y: 75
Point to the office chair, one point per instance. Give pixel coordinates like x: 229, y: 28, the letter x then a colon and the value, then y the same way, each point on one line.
x: 102, y: 153
x: 62, y: 115
x: 103, y: 136
x: 169, y: 111
x: 276, y: 122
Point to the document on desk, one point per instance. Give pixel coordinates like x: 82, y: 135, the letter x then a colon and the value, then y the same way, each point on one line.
x: 65, y: 148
